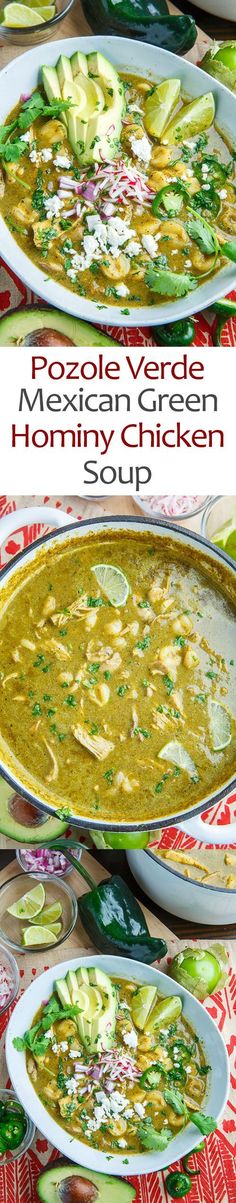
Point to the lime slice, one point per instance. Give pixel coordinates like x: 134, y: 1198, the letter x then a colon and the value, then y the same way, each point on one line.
x: 50, y: 914
x: 16, y: 16
x: 113, y: 582
x: 220, y: 725
x: 47, y: 13
x: 55, y: 928
x: 29, y: 905
x: 178, y: 755
x: 142, y: 1003
x: 192, y: 119
x: 37, y: 935
x: 159, y: 106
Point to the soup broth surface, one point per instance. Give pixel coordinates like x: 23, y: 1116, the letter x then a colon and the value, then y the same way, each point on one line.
x: 113, y: 713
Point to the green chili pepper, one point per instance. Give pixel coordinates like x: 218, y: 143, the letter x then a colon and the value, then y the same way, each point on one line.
x: 176, y: 334
x: 115, y: 923
x: 12, y: 1132
x: 225, y: 310
x: 178, y: 1185
x: 175, y: 33
x: 151, y: 1077
x: 110, y: 914
x: 171, y: 198
x: 186, y: 1161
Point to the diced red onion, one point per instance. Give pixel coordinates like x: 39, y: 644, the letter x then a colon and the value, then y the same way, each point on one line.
x: 45, y: 860
x: 171, y: 506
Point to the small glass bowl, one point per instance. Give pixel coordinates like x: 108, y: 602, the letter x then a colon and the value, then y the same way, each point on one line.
x: 33, y: 34
x: 13, y: 1154
x: 218, y: 512
x: 9, y: 964
x: 21, y: 856
x: 177, y: 519
x: 56, y: 890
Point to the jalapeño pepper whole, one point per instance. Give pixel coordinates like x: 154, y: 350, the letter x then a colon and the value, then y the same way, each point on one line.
x: 115, y: 922
x: 176, y: 334
x: 132, y: 19
x: 225, y: 310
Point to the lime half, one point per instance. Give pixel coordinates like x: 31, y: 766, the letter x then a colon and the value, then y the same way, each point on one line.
x: 178, y: 755
x: 16, y: 16
x: 50, y: 914
x: 29, y: 905
x: 37, y: 935
x: 220, y: 725
x: 113, y: 582
x: 142, y: 1002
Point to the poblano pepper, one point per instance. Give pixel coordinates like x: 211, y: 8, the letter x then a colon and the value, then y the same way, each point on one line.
x: 132, y: 18
x: 110, y: 914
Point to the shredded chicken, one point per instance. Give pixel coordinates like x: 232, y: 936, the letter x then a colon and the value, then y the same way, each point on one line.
x: 95, y: 744
x: 58, y: 649
x: 52, y: 776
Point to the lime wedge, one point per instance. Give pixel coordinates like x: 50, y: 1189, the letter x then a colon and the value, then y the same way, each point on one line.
x: 159, y: 106
x: 16, y: 16
x: 50, y: 914
x: 142, y: 1003
x: 55, y: 928
x: 37, y: 935
x: 29, y: 905
x: 192, y: 119
x: 178, y: 755
x: 220, y: 725
x: 113, y: 582
x: 47, y: 13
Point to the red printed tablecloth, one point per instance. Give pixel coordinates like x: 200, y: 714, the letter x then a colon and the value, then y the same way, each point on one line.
x: 14, y: 293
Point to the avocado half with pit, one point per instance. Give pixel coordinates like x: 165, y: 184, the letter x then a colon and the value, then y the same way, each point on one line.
x: 22, y: 822
x: 49, y: 327
x: 70, y: 1183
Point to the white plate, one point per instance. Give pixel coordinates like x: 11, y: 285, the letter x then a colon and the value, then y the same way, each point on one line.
x: 75, y: 1150
x: 144, y: 60
x: 219, y: 8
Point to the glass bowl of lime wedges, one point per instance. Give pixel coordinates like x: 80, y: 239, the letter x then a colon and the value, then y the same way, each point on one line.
x: 36, y: 916
x: 219, y: 524
x: 27, y: 22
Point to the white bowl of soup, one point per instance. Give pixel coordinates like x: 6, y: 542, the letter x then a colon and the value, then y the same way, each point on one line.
x: 83, y: 234
x: 106, y: 1101
x: 118, y: 712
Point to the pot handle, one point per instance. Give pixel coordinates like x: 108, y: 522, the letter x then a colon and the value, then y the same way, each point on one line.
x: 206, y: 834
x: 46, y: 514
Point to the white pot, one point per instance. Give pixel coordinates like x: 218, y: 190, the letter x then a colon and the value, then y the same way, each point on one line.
x: 138, y: 1163
x: 218, y: 8
x: 145, y: 60
x: 70, y: 529
x: 179, y: 895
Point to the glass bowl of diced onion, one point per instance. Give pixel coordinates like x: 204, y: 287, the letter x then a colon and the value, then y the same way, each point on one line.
x: 175, y: 509
x: 45, y: 860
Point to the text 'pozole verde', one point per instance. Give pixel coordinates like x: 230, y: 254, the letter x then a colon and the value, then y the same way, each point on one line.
x: 117, y: 660
x: 115, y: 186
x: 115, y: 1063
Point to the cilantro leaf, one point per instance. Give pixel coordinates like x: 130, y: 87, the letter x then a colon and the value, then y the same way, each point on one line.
x: 205, y: 1123
x: 11, y: 152
x: 203, y: 235
x: 168, y: 283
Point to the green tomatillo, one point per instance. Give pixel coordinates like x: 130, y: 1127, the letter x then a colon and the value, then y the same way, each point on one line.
x: 200, y: 970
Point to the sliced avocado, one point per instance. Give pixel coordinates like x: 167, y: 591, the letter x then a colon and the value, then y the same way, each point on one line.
x: 82, y: 976
x: 63, y: 992
x: 80, y: 118
x: 104, y: 128
x: 21, y: 821
x: 50, y: 83
x: 79, y: 63
x: 21, y: 324
x: 103, y: 1187
x: 72, y: 91
x: 98, y: 978
x: 63, y: 69
x: 72, y: 986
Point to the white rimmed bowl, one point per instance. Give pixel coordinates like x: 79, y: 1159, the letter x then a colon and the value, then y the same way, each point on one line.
x: 145, y: 60
x: 75, y: 1150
